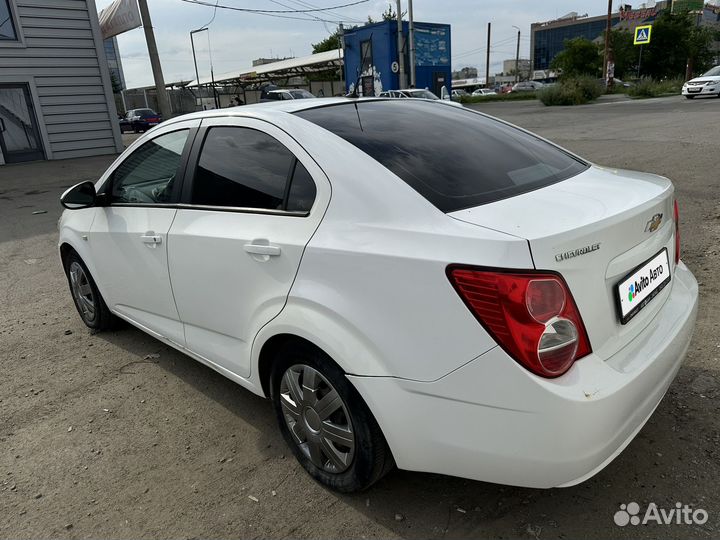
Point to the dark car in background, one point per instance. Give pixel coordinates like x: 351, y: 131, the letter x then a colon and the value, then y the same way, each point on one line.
x: 138, y: 120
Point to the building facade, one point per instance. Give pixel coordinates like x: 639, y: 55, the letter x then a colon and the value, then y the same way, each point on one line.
x: 112, y: 54
x: 371, y: 57
x: 547, y: 39
x: 56, y: 97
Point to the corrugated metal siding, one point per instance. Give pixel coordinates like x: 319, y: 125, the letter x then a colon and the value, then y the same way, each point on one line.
x: 60, y: 55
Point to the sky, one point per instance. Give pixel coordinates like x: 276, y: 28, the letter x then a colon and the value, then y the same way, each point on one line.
x: 236, y: 38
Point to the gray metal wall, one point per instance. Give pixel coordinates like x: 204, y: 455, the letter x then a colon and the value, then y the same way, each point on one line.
x: 60, y: 55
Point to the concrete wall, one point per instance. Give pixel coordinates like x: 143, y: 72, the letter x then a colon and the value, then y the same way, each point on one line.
x: 59, y: 54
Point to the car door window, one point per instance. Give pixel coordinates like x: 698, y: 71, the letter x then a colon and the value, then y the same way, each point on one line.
x: 147, y: 176
x: 242, y: 167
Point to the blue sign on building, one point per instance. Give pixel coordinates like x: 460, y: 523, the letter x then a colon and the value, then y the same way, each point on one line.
x: 371, y: 50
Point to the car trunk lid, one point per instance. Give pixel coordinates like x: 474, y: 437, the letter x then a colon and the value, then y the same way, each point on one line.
x: 594, y: 229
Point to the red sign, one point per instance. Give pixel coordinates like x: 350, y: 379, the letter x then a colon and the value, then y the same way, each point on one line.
x: 637, y: 14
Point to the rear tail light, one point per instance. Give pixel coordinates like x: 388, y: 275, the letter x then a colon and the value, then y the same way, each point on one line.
x: 676, y: 217
x: 532, y: 316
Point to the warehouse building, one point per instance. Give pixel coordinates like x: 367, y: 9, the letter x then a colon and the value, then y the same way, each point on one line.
x: 56, y: 97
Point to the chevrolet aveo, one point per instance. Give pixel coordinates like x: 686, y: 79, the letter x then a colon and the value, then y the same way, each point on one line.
x: 411, y: 284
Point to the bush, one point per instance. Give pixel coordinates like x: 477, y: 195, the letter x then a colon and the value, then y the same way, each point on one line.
x: 648, y: 88
x: 572, y: 91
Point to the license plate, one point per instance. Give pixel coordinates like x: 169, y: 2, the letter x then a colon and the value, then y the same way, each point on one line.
x: 694, y: 89
x: 152, y: 123
x: 641, y: 285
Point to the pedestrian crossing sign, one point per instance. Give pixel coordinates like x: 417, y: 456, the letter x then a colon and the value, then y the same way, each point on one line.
x: 642, y: 34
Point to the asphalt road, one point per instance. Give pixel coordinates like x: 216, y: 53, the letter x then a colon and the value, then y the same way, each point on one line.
x: 115, y: 435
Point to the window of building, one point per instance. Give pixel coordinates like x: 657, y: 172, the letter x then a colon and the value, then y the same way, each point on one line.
x: 366, y: 55
x: 147, y: 176
x: 7, y: 25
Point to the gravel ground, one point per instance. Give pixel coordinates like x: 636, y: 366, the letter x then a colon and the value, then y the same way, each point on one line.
x: 115, y: 435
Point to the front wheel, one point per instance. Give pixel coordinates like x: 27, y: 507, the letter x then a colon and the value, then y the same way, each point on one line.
x: 325, y: 422
x: 89, y: 303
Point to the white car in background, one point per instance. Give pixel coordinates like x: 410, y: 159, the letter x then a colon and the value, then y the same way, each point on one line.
x: 484, y: 92
x: 707, y: 84
x: 418, y: 93
x: 504, y: 311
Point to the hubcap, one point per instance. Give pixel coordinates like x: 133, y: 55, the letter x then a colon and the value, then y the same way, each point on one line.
x: 82, y: 292
x: 317, y: 418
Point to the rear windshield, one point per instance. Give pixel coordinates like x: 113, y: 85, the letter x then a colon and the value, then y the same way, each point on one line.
x: 145, y: 113
x: 454, y: 158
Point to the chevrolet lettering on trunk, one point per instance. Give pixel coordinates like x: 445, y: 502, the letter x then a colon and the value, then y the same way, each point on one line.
x: 560, y: 257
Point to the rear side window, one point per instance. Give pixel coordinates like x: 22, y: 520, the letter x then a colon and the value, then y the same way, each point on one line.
x: 454, y: 158
x: 245, y: 168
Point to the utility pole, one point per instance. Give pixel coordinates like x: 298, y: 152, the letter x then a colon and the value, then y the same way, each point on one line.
x: 517, y: 57
x: 341, y: 56
x: 411, y: 24
x: 607, y: 59
x: 401, y: 56
x: 487, y: 58
x: 162, y: 96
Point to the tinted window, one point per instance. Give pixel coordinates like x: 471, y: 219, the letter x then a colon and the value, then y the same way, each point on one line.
x: 302, y: 190
x: 243, y: 168
x: 366, y: 55
x: 147, y: 176
x: 455, y: 158
x: 7, y: 28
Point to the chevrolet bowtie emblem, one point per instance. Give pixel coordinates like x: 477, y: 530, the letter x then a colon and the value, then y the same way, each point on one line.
x: 654, y: 224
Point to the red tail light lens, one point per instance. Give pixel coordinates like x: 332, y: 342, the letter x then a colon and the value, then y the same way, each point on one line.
x: 676, y: 217
x: 532, y: 316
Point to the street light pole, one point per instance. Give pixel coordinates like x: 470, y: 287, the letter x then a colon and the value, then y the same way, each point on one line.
x: 197, y: 74
x: 162, y: 96
x: 607, y: 60
x: 517, y: 57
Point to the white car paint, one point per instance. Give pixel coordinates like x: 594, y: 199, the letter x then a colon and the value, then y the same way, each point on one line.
x: 363, y: 278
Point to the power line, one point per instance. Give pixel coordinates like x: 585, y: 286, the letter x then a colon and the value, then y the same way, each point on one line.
x: 273, y: 11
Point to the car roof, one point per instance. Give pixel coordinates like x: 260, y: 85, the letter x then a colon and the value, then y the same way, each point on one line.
x: 258, y: 109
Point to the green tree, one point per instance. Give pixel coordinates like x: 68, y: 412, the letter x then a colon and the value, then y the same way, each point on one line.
x: 330, y: 43
x: 625, y: 54
x: 678, y: 47
x: 580, y: 57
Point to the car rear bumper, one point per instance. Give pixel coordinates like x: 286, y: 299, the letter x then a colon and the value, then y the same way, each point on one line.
x: 492, y: 420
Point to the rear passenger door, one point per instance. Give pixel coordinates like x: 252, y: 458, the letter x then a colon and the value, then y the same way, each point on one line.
x: 253, y: 200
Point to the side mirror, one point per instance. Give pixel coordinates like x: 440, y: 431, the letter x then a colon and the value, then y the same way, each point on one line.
x: 79, y: 196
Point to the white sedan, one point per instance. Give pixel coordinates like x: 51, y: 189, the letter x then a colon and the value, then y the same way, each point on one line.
x: 708, y: 84
x: 503, y: 311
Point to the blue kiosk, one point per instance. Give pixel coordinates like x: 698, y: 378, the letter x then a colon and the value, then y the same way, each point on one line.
x: 371, y: 57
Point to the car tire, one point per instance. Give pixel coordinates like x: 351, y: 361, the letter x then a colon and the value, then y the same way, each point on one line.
x: 87, y: 298
x: 337, y: 441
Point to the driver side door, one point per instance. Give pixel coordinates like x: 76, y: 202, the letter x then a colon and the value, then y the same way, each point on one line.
x: 128, y: 237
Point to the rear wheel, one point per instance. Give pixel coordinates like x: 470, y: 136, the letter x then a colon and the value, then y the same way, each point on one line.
x: 325, y: 422
x: 90, y: 304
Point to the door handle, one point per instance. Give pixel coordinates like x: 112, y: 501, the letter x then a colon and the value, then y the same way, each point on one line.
x: 262, y: 249
x: 151, y: 239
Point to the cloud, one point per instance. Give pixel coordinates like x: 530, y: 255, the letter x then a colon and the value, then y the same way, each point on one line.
x: 237, y: 38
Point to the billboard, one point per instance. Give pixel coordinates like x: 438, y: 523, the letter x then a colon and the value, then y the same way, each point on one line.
x: 119, y: 17
x: 683, y: 6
